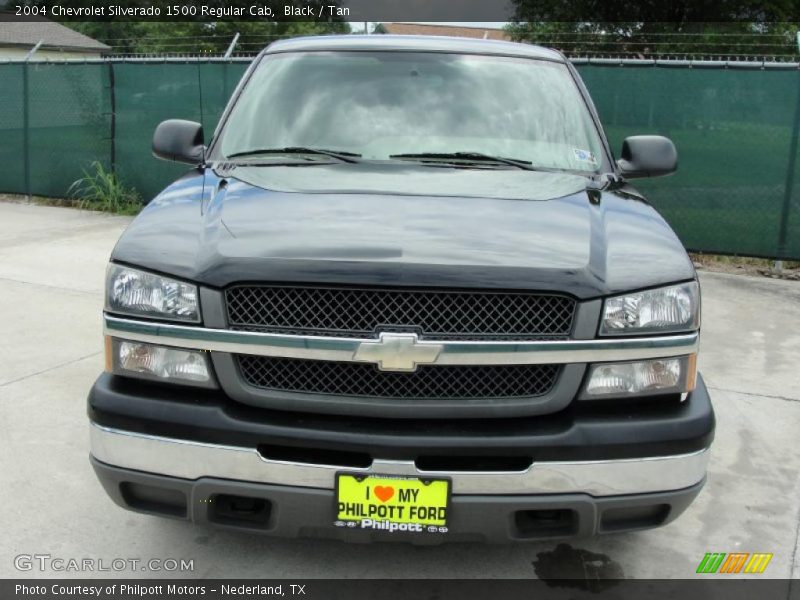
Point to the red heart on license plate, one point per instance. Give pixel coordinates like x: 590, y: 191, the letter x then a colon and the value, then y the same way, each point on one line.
x: 384, y: 493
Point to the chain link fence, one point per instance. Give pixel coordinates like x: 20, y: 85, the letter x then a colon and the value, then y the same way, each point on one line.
x: 735, y: 126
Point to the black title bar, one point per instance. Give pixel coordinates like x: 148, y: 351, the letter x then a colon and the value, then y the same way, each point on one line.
x: 535, y: 11
x: 708, y: 587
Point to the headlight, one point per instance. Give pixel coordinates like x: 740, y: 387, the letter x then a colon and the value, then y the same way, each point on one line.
x: 641, y: 378
x: 158, y: 363
x: 144, y: 294
x: 664, y: 310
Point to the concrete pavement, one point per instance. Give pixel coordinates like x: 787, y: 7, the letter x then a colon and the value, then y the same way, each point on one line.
x: 52, y: 263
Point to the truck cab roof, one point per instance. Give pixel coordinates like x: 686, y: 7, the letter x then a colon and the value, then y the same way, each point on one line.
x: 412, y: 43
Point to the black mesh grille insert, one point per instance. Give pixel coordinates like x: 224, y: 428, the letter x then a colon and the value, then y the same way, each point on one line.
x: 427, y: 382
x: 435, y: 314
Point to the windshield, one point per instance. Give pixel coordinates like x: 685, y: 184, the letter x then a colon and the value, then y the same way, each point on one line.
x: 382, y: 104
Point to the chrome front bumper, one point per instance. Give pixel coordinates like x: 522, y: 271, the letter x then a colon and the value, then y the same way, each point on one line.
x: 194, y: 460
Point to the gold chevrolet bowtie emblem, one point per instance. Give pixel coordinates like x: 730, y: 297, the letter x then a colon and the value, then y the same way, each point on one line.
x: 398, y: 352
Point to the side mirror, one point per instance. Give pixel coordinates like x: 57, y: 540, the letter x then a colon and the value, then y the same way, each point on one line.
x: 179, y: 141
x: 647, y: 156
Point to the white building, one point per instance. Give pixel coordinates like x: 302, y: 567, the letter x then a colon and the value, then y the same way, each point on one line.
x: 58, y: 42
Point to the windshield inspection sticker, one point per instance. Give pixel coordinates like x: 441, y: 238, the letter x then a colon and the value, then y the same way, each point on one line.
x: 584, y: 156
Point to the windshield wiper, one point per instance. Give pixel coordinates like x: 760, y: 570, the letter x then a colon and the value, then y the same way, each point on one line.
x: 348, y: 157
x: 478, y: 157
x: 472, y: 157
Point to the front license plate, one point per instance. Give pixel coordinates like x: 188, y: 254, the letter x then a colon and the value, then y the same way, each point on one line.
x: 392, y: 503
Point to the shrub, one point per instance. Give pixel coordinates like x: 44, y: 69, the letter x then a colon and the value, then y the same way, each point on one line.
x: 99, y: 189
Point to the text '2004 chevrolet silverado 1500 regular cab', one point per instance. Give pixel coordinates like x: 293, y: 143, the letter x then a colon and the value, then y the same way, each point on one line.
x: 405, y: 293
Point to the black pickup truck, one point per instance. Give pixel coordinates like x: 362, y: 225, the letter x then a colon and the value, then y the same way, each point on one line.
x: 405, y: 292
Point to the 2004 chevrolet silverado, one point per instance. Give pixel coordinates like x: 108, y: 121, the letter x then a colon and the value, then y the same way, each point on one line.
x: 405, y: 292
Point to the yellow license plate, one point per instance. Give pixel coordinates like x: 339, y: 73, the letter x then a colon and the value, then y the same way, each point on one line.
x: 392, y: 503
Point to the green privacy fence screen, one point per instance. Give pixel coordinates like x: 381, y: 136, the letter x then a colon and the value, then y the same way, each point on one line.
x: 736, y: 191
x: 57, y: 118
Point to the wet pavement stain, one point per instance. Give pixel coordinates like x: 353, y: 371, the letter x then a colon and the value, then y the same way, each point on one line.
x: 570, y: 567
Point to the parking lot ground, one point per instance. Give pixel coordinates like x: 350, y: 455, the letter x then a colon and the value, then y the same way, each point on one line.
x: 52, y: 263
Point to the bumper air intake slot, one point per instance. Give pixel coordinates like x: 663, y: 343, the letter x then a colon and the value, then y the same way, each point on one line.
x: 487, y: 464
x: 239, y: 511
x: 634, y: 517
x: 315, y: 456
x: 546, y: 523
x: 151, y: 499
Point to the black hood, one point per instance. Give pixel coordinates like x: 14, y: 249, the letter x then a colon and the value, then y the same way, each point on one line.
x: 407, y: 226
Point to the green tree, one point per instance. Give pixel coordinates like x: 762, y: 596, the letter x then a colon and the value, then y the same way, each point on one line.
x: 120, y: 35
x: 199, y: 37
x: 739, y: 28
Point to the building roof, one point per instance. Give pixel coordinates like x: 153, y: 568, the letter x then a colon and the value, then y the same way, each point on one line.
x: 26, y: 34
x: 481, y: 33
x: 412, y: 43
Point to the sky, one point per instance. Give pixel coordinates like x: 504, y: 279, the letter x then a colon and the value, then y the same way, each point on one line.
x: 359, y: 25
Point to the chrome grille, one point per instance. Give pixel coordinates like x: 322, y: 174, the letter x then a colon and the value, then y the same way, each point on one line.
x: 446, y: 314
x: 427, y: 382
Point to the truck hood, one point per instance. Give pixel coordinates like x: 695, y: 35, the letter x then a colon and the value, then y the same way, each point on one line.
x: 349, y: 224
